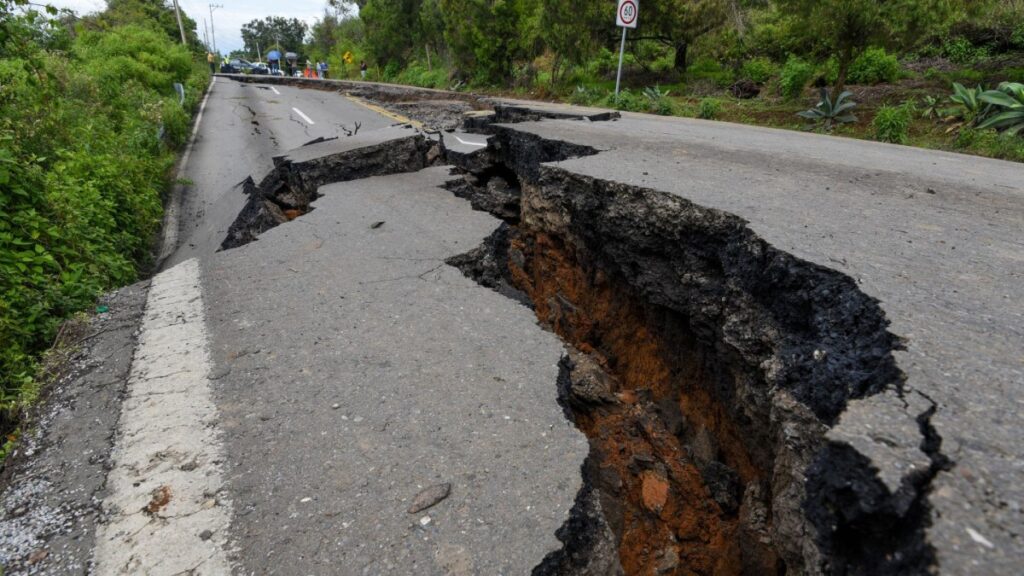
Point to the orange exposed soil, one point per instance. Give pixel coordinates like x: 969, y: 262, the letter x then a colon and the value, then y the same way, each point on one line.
x: 670, y: 523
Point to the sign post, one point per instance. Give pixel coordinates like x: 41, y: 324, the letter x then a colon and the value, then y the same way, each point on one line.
x: 626, y: 19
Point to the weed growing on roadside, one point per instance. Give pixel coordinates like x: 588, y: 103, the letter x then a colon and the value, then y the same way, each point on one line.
x: 658, y: 101
x: 709, y: 108
x: 892, y: 123
x: 990, y: 143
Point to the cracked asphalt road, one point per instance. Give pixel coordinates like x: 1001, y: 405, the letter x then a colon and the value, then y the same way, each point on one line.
x: 243, y: 128
x: 359, y: 369
x: 351, y: 368
x: 936, y: 237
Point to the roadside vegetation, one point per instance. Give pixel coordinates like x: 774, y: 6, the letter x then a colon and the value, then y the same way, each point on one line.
x: 89, y: 125
x: 759, y: 62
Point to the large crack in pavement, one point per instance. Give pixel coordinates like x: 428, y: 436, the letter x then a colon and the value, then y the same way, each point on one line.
x: 288, y: 190
x: 708, y: 368
x: 705, y: 366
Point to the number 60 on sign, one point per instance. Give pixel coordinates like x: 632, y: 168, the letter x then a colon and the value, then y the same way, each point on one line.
x: 627, y: 14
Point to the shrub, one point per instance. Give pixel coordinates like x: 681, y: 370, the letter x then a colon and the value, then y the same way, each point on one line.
x: 709, y: 108
x: 960, y: 51
x: 758, y: 69
x: 991, y: 144
x: 584, y: 96
x: 712, y: 71
x: 1017, y: 36
x: 417, y: 74
x: 796, y: 74
x: 82, y: 168
x: 892, y: 123
x: 874, y: 66
x: 658, y: 101
x: 627, y: 101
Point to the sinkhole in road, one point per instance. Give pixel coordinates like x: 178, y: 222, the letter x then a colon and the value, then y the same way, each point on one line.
x: 705, y: 367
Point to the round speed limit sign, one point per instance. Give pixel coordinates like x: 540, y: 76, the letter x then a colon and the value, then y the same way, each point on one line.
x: 628, y: 11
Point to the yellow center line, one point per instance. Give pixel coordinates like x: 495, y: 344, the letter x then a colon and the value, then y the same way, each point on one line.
x: 385, y: 113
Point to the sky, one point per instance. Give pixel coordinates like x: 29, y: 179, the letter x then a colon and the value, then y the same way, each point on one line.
x: 227, y: 20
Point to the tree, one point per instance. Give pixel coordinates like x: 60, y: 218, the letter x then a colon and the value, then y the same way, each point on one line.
x: 487, y: 37
x: 573, y: 30
x: 845, y: 28
x: 430, y: 29
x: 150, y: 13
x: 287, y: 34
x: 678, y: 23
x: 323, y: 36
x: 390, y: 29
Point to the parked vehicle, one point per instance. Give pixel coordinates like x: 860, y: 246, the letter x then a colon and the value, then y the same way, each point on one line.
x: 240, y: 66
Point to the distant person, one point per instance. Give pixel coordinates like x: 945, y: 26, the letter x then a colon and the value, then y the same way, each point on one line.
x: 212, y: 61
x: 309, y: 69
x: 323, y: 70
x: 292, y: 59
x: 274, y: 61
x: 362, y: 69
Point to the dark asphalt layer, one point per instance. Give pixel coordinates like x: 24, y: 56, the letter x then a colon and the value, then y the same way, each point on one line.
x: 938, y: 238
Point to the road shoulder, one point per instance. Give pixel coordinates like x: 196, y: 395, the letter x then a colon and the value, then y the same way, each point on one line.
x: 54, y: 481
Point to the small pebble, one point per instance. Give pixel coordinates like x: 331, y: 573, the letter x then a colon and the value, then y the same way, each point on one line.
x: 425, y: 521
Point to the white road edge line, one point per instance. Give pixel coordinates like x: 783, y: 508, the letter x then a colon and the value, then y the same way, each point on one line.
x: 470, y: 143
x: 164, y: 512
x: 275, y: 90
x: 169, y: 242
x: 304, y: 117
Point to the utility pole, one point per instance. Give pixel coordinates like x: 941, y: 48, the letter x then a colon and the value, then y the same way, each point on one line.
x: 177, y: 12
x: 213, y: 34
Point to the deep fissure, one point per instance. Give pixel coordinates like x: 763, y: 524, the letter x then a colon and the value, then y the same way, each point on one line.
x: 704, y: 365
x: 705, y: 368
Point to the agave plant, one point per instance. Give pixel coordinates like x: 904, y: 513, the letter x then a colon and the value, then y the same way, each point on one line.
x: 929, y: 107
x: 655, y: 93
x: 1008, y: 112
x: 968, y: 109
x: 828, y: 112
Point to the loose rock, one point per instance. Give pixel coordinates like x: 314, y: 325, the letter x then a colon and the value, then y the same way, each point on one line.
x: 430, y: 496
